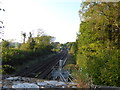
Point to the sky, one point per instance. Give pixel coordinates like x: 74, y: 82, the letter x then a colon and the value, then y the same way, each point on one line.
x: 57, y: 18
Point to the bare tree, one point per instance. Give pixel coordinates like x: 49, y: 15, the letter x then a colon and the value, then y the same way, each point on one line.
x: 30, y: 35
x: 24, y: 37
x: 40, y: 32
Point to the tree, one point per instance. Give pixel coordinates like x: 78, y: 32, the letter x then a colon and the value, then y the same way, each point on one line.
x: 40, y: 32
x: 30, y: 35
x: 98, y: 42
x: 73, y: 48
x: 43, y: 41
x: 24, y: 37
x: 5, y: 43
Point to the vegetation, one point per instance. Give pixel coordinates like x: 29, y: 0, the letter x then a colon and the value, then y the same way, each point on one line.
x: 95, y: 56
x: 33, y: 48
x: 98, y: 43
x: 97, y: 48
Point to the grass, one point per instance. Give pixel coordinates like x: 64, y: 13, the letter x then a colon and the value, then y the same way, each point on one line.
x: 71, y: 59
x: 79, y: 77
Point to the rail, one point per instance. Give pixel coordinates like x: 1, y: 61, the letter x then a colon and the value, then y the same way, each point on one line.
x: 42, y: 70
x: 62, y: 78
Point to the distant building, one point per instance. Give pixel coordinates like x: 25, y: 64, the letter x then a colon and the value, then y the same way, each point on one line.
x: 15, y: 44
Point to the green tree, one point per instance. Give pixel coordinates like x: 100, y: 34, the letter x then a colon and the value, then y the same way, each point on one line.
x: 5, y: 43
x: 98, y: 42
x: 73, y: 48
x: 43, y: 41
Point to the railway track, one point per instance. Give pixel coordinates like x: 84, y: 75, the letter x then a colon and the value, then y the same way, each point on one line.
x: 42, y: 70
x: 48, y: 70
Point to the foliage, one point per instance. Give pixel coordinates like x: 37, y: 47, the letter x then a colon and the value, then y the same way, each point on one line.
x: 68, y: 45
x: 70, y: 60
x: 98, y: 43
x: 56, y: 46
x: 5, y: 43
x: 9, y: 69
x: 73, y: 48
x: 43, y: 41
x: 33, y: 48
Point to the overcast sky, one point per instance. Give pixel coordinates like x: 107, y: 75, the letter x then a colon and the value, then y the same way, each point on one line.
x: 58, y: 18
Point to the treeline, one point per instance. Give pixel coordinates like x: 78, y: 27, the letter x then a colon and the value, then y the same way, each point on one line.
x: 98, y: 43
x: 29, y: 50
